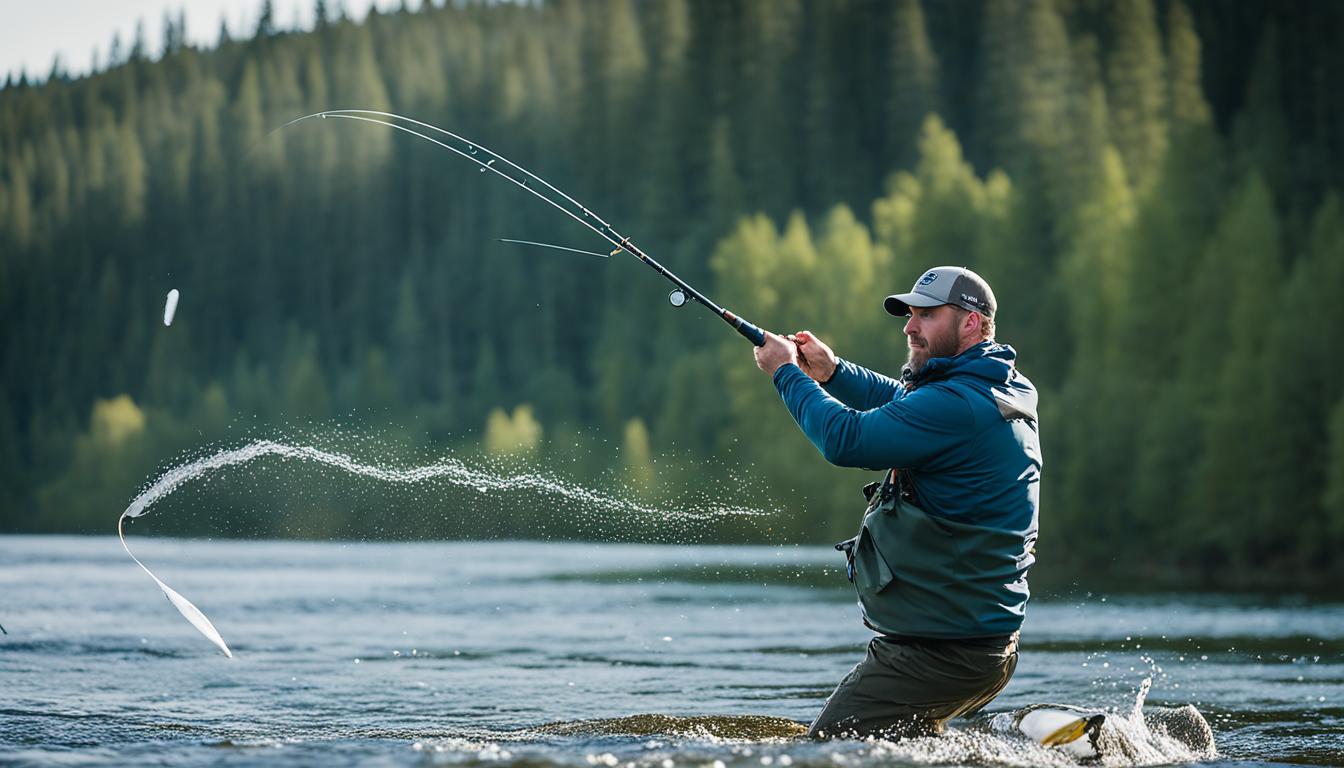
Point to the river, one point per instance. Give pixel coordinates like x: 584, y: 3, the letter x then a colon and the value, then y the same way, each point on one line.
x: 539, y: 654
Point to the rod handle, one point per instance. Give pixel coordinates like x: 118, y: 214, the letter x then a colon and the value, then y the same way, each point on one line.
x: 749, y: 332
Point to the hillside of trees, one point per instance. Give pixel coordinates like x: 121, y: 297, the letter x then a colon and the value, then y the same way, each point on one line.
x: 1153, y: 188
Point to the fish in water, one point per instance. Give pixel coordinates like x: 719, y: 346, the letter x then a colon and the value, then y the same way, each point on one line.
x: 1179, y: 733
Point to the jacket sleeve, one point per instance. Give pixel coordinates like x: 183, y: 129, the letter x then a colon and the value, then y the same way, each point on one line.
x: 905, y: 433
x: 859, y: 387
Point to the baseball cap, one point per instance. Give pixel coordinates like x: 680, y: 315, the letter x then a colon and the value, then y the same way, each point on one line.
x: 957, y: 286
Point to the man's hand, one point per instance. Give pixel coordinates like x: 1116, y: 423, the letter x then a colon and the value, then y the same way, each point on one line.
x: 814, y: 357
x: 776, y: 352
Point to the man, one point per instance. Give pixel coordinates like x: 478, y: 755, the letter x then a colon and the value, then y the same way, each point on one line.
x: 940, y: 562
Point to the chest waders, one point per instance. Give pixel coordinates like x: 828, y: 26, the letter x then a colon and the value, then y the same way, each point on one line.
x: 922, y: 575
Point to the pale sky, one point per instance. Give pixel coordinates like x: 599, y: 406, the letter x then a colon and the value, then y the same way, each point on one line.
x: 33, y: 32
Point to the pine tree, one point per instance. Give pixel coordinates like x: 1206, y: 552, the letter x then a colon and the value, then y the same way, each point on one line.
x: 912, y: 83
x: 1188, y: 107
x: 131, y: 173
x: 1333, y: 498
x: 1260, y: 132
x: 770, y: 36
x: 616, y: 63
x: 665, y: 200
x: 19, y: 224
x: 1304, y: 384
x: 408, y: 341
x: 1135, y: 77
x: 265, y: 21
x: 304, y: 390
x: 1240, y: 277
x: 1024, y: 84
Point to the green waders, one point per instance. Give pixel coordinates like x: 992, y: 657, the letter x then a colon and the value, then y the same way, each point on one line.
x: 912, y: 687
x: 913, y: 573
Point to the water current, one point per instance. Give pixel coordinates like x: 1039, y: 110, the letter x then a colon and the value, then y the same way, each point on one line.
x: 571, y: 654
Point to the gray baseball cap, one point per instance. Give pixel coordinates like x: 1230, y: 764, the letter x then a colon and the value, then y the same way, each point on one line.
x: 957, y: 286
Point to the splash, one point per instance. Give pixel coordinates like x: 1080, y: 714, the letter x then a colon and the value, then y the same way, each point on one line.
x: 1137, y: 736
x: 449, y: 469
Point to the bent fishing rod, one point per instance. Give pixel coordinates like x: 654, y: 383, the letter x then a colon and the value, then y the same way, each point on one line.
x: 496, y: 163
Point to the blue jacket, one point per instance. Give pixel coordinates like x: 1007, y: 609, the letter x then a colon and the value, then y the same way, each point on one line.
x: 965, y: 429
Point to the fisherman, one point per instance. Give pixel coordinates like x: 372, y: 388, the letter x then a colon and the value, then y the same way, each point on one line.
x: 940, y: 562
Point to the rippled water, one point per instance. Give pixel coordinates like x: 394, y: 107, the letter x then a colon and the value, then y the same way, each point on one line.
x: 551, y: 654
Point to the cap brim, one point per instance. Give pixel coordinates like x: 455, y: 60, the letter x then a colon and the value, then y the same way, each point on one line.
x: 900, y: 304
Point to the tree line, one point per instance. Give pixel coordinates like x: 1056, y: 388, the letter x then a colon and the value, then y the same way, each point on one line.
x: 1151, y: 186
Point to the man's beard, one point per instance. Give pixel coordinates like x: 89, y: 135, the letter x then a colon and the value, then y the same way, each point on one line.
x: 923, y: 348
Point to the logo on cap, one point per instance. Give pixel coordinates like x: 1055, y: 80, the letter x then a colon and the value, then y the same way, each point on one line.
x: 928, y: 279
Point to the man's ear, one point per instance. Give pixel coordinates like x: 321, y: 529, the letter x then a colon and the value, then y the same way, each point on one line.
x: 970, y: 325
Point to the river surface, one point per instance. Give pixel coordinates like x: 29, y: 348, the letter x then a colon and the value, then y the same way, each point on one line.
x: 423, y: 654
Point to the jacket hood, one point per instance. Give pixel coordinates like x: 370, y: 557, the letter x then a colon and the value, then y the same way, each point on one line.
x: 993, y: 366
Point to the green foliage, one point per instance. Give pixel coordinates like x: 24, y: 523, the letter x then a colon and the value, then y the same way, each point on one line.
x: 1136, y: 83
x: 1334, y: 491
x: 519, y: 433
x: 1152, y: 189
x: 637, y: 456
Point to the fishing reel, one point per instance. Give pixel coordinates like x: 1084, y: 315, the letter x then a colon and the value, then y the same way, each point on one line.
x: 678, y: 297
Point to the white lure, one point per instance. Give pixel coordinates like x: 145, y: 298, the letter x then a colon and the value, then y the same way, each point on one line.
x: 170, y: 307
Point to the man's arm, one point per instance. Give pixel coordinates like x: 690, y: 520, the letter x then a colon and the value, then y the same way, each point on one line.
x: 859, y: 387
x: 901, y: 433
x: 851, y: 384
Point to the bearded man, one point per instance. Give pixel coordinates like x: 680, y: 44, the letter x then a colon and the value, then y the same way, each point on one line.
x: 941, y: 558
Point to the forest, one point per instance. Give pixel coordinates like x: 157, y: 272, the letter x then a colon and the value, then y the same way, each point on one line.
x: 1152, y: 187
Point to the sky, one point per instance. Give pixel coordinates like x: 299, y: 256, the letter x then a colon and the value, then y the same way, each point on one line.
x: 36, y: 31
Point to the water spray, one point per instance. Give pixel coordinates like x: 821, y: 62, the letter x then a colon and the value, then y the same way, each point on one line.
x: 452, y: 470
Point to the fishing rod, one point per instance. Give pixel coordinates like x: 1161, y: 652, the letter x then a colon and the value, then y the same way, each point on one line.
x: 488, y: 160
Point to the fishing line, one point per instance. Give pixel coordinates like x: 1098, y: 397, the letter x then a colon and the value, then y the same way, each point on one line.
x: 556, y: 247
x: 679, y: 297
x: 452, y: 470
x: 472, y: 152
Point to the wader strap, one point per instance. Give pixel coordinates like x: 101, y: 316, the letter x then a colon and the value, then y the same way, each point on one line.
x: 896, y: 481
x: 905, y: 486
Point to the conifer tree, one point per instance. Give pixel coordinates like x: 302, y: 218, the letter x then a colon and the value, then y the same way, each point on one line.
x: 1024, y: 84
x: 1241, y: 271
x: 1300, y: 366
x: 1135, y: 77
x: 616, y: 64
x: 1333, y: 500
x: 770, y: 30
x: 823, y: 137
x: 408, y: 341
x: 912, y: 83
x: 1188, y: 107
x: 1260, y: 131
x: 19, y: 224
x: 665, y: 200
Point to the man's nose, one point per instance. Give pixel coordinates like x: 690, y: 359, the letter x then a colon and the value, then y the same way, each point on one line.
x: 911, y: 328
